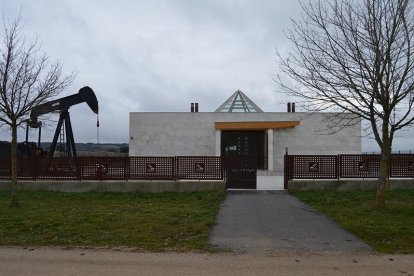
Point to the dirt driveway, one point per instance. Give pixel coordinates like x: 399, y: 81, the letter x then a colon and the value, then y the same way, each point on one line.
x: 57, y: 261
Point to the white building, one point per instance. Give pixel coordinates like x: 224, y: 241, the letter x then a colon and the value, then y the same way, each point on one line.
x: 239, y: 127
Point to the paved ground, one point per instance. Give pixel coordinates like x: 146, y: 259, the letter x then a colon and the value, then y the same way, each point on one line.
x: 55, y: 261
x: 274, y: 221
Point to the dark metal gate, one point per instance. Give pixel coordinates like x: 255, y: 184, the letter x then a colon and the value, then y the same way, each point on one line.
x: 241, y: 172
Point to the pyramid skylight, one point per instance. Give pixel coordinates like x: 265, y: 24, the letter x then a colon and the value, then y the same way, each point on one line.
x: 238, y: 102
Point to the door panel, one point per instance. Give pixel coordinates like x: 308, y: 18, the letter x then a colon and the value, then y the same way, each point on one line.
x: 244, y: 143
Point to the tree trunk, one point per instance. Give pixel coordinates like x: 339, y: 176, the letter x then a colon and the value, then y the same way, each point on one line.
x: 383, y: 179
x: 14, y: 202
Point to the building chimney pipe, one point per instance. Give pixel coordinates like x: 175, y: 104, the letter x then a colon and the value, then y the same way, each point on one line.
x: 293, y: 107
x: 196, y: 107
x: 192, y: 107
x: 288, y: 108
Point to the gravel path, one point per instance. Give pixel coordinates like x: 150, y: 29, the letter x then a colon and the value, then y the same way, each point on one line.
x: 275, y: 221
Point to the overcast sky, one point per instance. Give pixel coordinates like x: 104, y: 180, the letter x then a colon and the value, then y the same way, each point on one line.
x: 158, y: 55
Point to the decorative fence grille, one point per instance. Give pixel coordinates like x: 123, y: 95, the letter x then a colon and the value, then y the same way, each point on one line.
x: 402, y: 165
x: 314, y: 166
x: 345, y: 166
x: 359, y: 166
x: 199, y: 167
x: 5, y: 168
x: 151, y: 168
x: 104, y: 168
x: 59, y: 168
x: 116, y: 168
x: 25, y: 170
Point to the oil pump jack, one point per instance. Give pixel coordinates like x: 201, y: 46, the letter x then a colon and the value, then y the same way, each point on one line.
x: 62, y: 105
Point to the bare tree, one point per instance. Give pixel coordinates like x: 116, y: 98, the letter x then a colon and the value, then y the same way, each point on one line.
x: 356, y: 57
x: 26, y: 80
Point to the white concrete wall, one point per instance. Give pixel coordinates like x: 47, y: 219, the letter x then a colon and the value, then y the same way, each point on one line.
x: 171, y: 134
x: 186, y: 133
x: 312, y: 137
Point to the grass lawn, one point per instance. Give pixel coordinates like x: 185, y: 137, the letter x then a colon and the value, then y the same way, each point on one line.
x: 390, y: 229
x: 155, y: 222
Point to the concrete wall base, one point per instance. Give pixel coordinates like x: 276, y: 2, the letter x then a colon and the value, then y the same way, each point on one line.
x: 347, y: 185
x: 147, y: 186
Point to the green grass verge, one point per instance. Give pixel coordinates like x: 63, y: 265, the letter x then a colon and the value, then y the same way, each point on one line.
x: 155, y: 222
x: 389, y: 229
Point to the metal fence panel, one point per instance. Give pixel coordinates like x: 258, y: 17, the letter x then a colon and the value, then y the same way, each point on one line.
x: 359, y: 166
x: 313, y: 166
x: 60, y: 168
x: 199, y: 167
x: 27, y: 168
x: 151, y: 168
x: 402, y: 166
x: 103, y: 168
x: 5, y: 168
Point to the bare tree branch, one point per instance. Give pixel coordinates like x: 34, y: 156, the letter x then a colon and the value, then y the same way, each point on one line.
x: 355, y: 57
x: 26, y: 80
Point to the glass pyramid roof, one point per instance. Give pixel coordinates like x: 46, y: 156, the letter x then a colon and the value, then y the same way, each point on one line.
x: 238, y: 102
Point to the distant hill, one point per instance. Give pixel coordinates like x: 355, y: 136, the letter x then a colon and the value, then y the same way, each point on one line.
x: 83, y: 149
x: 92, y: 147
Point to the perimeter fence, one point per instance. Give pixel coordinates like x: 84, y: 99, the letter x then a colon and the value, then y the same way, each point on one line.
x: 346, y: 166
x: 116, y: 168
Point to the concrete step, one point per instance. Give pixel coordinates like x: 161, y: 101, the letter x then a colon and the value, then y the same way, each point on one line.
x: 265, y: 173
x: 269, y: 182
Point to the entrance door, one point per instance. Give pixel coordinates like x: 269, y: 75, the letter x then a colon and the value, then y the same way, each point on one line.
x: 245, y: 143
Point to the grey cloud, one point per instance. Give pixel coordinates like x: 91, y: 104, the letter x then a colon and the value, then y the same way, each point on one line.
x: 160, y: 55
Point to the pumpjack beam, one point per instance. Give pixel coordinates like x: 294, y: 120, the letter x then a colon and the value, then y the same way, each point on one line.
x: 85, y: 94
x: 62, y: 105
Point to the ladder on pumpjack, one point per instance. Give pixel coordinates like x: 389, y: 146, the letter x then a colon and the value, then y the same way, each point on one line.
x: 62, y: 150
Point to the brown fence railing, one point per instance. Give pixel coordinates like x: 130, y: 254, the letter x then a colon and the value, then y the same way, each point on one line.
x: 345, y: 166
x: 151, y: 168
x: 314, y: 166
x: 59, y: 168
x: 104, y: 168
x: 402, y: 165
x: 359, y: 165
x: 116, y: 168
x: 199, y: 167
